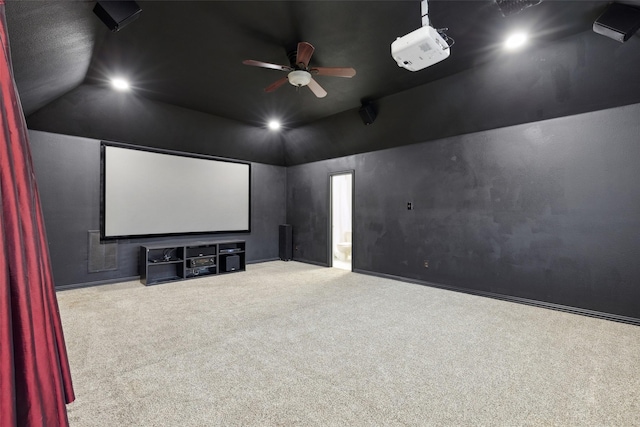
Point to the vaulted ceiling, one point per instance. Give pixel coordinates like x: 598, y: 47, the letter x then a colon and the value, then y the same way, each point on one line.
x: 189, y: 54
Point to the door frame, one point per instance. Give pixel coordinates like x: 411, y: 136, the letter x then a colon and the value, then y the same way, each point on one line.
x: 351, y: 172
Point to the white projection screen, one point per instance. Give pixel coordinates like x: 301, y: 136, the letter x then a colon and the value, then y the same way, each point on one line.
x: 150, y: 193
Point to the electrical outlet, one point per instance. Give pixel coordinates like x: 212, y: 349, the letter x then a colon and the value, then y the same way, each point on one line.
x: 426, y: 263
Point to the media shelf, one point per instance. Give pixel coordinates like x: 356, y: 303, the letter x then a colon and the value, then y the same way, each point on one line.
x: 160, y: 263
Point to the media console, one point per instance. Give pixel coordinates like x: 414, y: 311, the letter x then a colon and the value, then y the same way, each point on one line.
x: 167, y: 262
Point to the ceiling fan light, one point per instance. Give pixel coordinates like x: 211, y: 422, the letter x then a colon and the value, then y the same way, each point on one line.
x: 299, y: 78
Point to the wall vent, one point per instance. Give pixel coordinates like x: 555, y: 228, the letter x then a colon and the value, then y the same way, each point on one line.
x: 102, y: 256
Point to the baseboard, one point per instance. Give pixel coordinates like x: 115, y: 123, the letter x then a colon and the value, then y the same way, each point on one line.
x: 96, y: 283
x: 542, y: 304
x: 306, y: 261
x: 258, y: 261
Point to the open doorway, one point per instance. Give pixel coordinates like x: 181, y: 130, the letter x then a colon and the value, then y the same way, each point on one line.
x: 342, y: 220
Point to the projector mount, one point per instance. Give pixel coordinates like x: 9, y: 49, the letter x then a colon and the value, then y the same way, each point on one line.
x: 423, y: 47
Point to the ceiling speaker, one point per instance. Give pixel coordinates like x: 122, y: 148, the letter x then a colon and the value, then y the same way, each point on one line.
x: 618, y: 22
x: 117, y: 14
x: 367, y: 114
x: 510, y: 7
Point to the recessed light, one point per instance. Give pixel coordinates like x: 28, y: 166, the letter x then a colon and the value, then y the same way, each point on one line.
x: 120, y: 84
x: 274, y: 125
x: 516, y: 40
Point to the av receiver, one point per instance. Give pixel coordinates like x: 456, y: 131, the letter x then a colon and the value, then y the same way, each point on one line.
x: 202, y: 262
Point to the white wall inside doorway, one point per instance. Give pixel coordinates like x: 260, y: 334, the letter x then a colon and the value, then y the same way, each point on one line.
x: 341, y: 220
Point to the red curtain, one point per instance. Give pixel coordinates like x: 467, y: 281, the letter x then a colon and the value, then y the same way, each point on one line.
x: 35, y: 382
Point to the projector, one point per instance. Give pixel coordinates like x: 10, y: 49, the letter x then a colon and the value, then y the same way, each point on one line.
x: 419, y: 49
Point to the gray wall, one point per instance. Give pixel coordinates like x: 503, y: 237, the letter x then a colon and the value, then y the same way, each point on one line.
x: 548, y: 211
x: 68, y: 175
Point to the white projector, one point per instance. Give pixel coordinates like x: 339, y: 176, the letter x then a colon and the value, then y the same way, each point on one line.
x: 419, y: 49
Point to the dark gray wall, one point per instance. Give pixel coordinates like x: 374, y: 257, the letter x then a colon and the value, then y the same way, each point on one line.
x: 548, y: 211
x: 98, y: 112
x: 68, y: 175
x: 586, y: 72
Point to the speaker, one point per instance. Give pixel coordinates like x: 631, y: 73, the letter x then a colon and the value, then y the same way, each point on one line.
x: 286, y: 243
x: 232, y: 263
x: 510, y: 7
x: 367, y: 114
x: 618, y: 22
x: 117, y: 14
x: 206, y: 250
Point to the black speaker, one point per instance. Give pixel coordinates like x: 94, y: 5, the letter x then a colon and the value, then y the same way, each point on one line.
x: 205, y: 250
x: 232, y: 263
x: 117, y: 14
x: 367, y: 114
x: 618, y: 22
x: 286, y: 242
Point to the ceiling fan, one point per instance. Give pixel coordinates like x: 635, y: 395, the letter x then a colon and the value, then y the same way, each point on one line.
x: 299, y: 72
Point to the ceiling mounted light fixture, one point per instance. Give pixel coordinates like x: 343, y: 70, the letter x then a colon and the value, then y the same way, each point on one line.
x: 299, y: 78
x: 120, y: 84
x: 299, y: 72
x: 274, y: 125
x: 515, y: 41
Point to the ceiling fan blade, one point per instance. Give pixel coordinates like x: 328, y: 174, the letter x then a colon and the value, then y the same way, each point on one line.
x: 333, y: 71
x: 317, y: 89
x: 305, y: 50
x: 275, y: 85
x: 266, y: 65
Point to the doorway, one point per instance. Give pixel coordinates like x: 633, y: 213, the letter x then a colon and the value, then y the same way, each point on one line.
x: 341, y: 220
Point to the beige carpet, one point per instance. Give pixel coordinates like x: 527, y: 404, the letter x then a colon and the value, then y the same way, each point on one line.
x: 290, y: 344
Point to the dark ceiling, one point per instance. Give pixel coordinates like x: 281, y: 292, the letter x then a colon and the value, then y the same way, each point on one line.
x: 189, y: 54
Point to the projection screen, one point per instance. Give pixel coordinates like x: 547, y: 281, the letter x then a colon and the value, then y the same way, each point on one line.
x: 150, y: 193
